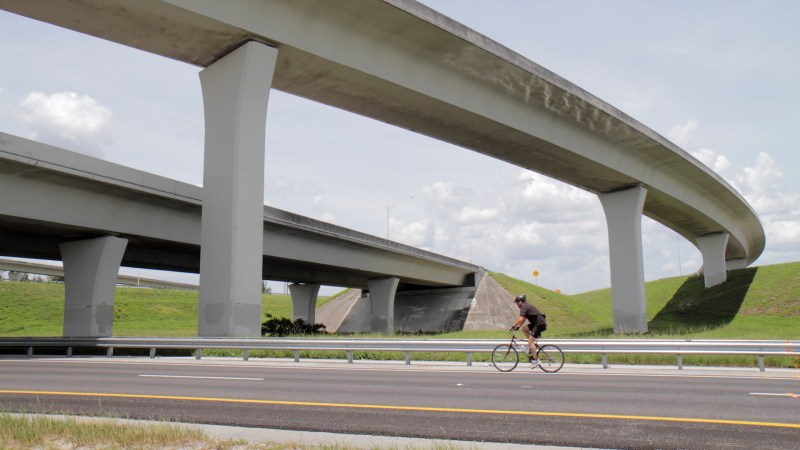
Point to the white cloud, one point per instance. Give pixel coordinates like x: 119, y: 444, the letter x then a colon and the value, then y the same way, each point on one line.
x: 283, y: 185
x: 778, y: 209
x: 447, y: 193
x: 785, y: 232
x: 5, y: 110
x: 471, y: 215
x: 304, y: 196
x: 327, y: 217
x: 549, y: 201
x: 533, y: 221
x: 764, y: 176
x: 718, y: 163
x: 539, y: 223
x: 680, y: 134
x: 77, y: 122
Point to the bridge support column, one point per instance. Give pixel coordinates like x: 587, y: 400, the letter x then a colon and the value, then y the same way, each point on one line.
x: 304, y: 301
x: 235, y: 95
x: 381, y: 295
x: 623, y: 212
x: 17, y: 276
x: 712, y: 247
x: 90, y: 277
x: 736, y: 264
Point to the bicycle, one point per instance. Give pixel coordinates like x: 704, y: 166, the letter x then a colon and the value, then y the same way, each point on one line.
x: 505, y: 357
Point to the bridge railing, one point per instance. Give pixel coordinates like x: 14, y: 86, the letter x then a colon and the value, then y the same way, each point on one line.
x: 602, y: 347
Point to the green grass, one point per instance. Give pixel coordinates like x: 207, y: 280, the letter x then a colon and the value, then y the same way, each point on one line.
x: 46, y: 432
x: 41, y: 431
x: 755, y: 303
x: 37, y: 309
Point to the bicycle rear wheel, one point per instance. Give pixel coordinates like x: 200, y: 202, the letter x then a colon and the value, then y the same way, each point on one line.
x: 505, y: 358
x: 551, y: 358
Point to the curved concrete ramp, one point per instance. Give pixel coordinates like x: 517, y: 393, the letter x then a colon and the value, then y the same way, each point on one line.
x: 433, y: 310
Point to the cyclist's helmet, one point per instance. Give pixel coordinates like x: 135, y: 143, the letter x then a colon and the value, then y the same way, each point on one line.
x: 520, y: 298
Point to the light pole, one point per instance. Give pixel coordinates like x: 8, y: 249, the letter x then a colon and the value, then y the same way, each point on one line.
x: 389, y: 208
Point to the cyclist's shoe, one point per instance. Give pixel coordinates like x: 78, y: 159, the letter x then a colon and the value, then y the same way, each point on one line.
x: 535, y: 363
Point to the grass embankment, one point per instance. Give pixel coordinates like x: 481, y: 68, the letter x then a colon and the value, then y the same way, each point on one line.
x: 37, y: 309
x: 755, y: 303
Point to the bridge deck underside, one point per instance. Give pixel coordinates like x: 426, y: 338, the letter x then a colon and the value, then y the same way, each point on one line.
x: 24, y: 238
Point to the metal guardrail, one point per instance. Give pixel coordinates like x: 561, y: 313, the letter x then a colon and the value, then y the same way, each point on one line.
x: 603, y: 347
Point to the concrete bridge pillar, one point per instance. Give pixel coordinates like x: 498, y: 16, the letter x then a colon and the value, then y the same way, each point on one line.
x: 381, y: 295
x: 17, y: 276
x: 736, y: 264
x: 712, y: 247
x: 235, y: 96
x: 90, y: 278
x: 304, y: 301
x: 623, y: 212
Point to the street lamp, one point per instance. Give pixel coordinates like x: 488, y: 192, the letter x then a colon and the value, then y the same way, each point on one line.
x: 389, y: 208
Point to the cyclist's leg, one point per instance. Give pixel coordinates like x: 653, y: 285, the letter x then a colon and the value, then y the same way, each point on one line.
x: 529, y: 333
x: 529, y: 337
x: 536, y: 333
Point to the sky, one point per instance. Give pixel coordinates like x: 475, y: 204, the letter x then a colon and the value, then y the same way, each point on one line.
x: 719, y: 78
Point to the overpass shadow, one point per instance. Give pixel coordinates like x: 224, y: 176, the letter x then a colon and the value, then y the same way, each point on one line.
x: 694, y: 308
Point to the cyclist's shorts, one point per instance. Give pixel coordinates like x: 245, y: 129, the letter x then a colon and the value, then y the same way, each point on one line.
x: 536, y: 331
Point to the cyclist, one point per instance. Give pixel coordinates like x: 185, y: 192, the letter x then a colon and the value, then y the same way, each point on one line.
x: 536, y: 324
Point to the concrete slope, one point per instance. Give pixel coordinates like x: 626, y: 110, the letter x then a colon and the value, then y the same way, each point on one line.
x: 492, y: 308
x: 333, y: 313
x: 440, y: 310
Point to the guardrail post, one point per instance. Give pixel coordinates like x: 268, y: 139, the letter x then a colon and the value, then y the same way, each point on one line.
x: 69, y: 352
x: 246, y: 354
x: 297, y: 356
x: 408, y: 358
x: 152, y: 353
x: 761, y: 363
x: 469, y: 359
x: 350, y: 357
x: 30, y: 352
x: 680, y: 361
x: 198, y: 353
x: 605, y: 361
x: 110, y: 352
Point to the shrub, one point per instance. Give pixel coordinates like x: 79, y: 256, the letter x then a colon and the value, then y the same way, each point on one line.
x: 281, y: 326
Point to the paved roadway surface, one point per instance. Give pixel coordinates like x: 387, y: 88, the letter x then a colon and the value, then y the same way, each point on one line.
x: 582, y: 406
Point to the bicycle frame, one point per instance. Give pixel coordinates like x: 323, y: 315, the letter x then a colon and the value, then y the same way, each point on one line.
x: 518, y: 343
x: 547, y: 357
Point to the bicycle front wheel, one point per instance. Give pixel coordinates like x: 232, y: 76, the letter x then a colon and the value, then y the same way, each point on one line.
x: 551, y: 358
x: 505, y: 358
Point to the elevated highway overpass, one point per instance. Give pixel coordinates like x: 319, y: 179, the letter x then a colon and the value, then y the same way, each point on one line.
x: 54, y: 196
x: 402, y: 63
x: 19, y: 270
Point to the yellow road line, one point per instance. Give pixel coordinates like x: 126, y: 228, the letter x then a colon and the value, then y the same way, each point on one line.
x: 411, y: 408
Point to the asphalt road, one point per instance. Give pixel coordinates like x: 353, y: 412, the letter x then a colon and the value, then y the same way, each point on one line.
x: 581, y: 406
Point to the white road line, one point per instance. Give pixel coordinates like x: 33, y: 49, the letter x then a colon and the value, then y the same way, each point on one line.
x: 308, y: 365
x: 774, y: 394
x: 201, y: 378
